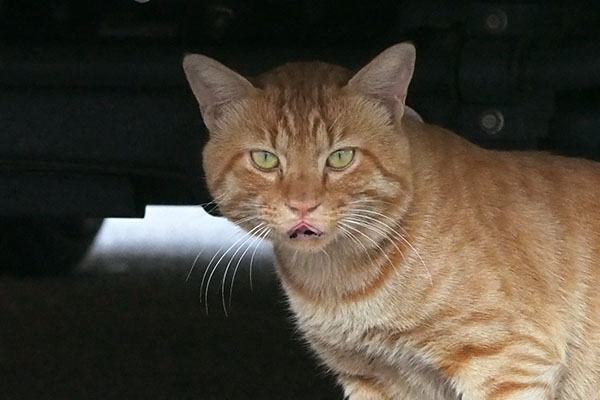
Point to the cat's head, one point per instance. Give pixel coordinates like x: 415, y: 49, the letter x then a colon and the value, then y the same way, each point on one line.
x: 308, y: 152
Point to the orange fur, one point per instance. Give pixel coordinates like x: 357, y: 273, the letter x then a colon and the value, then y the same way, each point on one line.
x: 470, y: 273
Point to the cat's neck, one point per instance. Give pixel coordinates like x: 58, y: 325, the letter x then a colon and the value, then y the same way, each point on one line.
x: 342, y: 271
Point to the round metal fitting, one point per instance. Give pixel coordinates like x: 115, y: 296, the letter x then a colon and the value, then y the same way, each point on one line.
x: 496, y: 21
x: 492, y: 121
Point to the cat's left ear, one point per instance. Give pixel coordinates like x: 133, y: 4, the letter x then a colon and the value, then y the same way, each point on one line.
x: 214, y: 86
x: 387, y: 76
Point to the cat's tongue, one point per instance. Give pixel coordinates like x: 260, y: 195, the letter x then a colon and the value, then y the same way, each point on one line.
x: 304, y: 230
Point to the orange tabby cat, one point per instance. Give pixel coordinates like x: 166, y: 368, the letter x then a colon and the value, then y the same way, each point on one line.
x: 418, y: 265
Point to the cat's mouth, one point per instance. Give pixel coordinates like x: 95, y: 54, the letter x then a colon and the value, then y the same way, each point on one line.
x: 304, y: 231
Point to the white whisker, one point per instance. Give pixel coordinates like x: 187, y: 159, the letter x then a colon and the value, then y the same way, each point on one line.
x: 394, y: 222
x: 235, y: 270
x: 377, y: 230
x: 201, y: 251
x: 255, y: 239
x: 254, y: 253
x: 194, y: 264
x: 219, y: 261
x: 326, y: 254
x: 207, y: 269
x: 370, y: 239
x: 356, y: 240
x: 397, y: 235
x: 215, y: 202
x: 362, y: 201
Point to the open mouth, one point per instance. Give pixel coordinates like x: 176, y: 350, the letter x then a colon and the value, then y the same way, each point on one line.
x: 304, y: 231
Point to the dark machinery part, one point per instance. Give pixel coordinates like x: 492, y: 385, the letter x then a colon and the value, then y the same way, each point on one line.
x: 95, y: 89
x: 44, y: 246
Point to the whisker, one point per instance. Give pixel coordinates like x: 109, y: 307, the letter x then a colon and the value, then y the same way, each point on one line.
x: 214, y: 268
x: 377, y: 230
x: 244, y: 219
x: 216, y: 202
x: 362, y: 201
x: 257, y: 238
x: 253, y: 254
x: 214, y: 207
x: 216, y: 198
x: 229, y: 265
x: 208, y: 203
x: 397, y: 224
x: 327, y: 254
x: 394, y: 222
x: 378, y: 221
x: 398, y: 236
x: 200, y: 253
x: 207, y: 269
x: 377, y: 213
x: 194, y: 264
x: 356, y: 240
x: 368, y: 238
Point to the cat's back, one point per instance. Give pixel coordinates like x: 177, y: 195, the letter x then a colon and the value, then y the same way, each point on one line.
x: 534, y: 201
x: 527, y: 225
x: 567, y: 188
x: 509, y: 178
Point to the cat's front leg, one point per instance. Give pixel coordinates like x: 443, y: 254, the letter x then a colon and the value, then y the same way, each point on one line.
x: 512, y: 381
x: 357, y: 387
x: 520, y: 391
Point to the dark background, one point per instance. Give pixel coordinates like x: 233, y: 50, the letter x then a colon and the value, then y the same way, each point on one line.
x: 92, y: 95
x: 143, y: 333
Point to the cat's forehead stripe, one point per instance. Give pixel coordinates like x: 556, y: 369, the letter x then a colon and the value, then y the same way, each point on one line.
x: 300, y: 95
x: 303, y: 118
x: 289, y: 119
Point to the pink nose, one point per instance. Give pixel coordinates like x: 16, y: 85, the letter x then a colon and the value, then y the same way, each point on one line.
x: 301, y: 207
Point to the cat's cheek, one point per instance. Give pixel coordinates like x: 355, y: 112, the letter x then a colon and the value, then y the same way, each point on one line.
x: 385, y: 187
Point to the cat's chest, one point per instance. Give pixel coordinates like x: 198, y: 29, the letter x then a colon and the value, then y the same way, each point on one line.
x: 355, y: 339
x: 348, y: 337
x: 339, y: 325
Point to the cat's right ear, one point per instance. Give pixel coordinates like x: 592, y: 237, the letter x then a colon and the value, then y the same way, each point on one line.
x: 214, y: 86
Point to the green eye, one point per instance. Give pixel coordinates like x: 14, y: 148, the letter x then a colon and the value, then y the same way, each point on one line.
x: 264, y: 159
x: 340, y: 159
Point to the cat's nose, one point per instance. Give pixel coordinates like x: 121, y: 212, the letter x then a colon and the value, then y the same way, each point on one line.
x: 302, y: 207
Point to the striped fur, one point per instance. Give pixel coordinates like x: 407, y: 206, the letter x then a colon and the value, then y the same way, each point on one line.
x: 464, y: 274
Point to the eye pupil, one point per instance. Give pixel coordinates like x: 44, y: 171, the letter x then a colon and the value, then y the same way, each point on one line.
x: 264, y: 159
x: 341, y: 158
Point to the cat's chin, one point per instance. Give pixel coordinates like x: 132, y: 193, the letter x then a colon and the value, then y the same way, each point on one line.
x: 310, y: 244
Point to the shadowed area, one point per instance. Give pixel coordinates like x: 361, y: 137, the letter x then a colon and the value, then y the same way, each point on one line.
x: 126, y: 327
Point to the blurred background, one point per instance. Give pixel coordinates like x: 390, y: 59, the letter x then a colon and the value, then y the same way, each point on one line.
x: 101, y: 180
